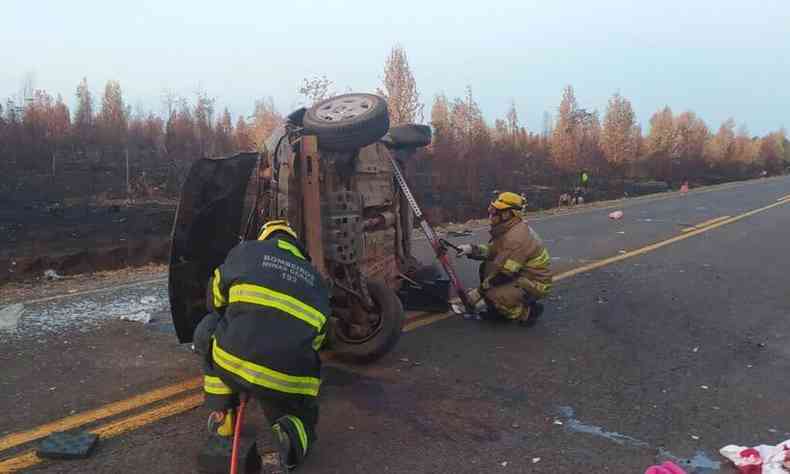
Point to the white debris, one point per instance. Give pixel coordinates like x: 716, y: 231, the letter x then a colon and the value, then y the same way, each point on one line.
x: 622, y: 232
x: 52, y: 275
x: 535, y: 460
x: 704, y: 387
x: 695, y: 349
x: 771, y: 459
x: 138, y: 317
x: 504, y: 463
x: 91, y: 311
x: 9, y: 316
x: 694, y: 437
x: 616, y: 215
x: 557, y: 422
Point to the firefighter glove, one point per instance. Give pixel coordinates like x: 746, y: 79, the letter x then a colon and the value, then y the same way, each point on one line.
x: 465, y: 250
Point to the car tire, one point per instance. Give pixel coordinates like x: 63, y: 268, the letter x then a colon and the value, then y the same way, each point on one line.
x: 409, y: 136
x: 347, y: 122
x: 386, y: 336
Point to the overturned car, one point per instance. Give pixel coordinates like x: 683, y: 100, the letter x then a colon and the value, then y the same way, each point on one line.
x: 328, y: 171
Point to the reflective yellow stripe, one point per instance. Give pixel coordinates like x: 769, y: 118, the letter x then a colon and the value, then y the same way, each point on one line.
x: 543, y: 287
x: 510, y: 312
x: 512, y: 267
x: 540, y: 261
x: 318, y: 341
x: 215, y: 386
x: 219, y: 300
x: 264, y: 376
x: 246, y: 293
x: 299, y: 429
x: 536, y: 288
x: 287, y: 246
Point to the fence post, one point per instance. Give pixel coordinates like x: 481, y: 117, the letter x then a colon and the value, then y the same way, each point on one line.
x: 128, y: 189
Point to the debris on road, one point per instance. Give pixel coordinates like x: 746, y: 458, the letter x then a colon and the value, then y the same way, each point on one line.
x: 667, y: 467
x: 696, y: 349
x: 9, y: 316
x: 504, y: 463
x: 52, y: 275
x: 63, y: 445
x: 763, y: 459
x: 704, y: 387
x: 616, y: 215
x: 535, y: 460
x: 695, y: 437
x: 139, y: 317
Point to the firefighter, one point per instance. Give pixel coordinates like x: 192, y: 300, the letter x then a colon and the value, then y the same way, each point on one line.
x: 515, y: 272
x: 268, y: 320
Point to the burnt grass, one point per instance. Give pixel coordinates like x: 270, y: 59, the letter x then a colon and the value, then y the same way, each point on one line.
x: 35, y: 237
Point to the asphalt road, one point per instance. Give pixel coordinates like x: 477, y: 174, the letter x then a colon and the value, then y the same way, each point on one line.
x: 670, y: 354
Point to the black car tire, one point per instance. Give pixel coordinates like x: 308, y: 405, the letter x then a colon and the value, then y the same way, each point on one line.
x: 347, y: 122
x: 409, y: 136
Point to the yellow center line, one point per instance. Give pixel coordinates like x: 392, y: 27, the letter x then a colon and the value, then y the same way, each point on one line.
x: 112, y: 429
x: 705, y: 223
x: 74, y: 421
x: 663, y: 243
x: 420, y: 322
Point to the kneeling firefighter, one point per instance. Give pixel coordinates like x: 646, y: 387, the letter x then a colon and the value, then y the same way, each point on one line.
x: 515, y: 273
x: 268, y: 320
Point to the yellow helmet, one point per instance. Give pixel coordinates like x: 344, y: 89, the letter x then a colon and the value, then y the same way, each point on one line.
x: 280, y: 225
x: 508, y: 200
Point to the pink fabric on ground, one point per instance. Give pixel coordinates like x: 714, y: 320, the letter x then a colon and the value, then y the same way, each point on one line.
x: 667, y: 467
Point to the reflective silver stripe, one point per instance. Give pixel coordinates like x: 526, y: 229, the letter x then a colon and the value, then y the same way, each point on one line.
x: 267, y: 377
x: 266, y: 297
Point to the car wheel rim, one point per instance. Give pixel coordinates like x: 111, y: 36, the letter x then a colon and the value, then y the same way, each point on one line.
x: 375, y: 330
x: 344, y: 108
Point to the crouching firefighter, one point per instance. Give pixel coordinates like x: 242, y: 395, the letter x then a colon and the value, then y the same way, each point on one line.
x: 268, y: 318
x: 515, y: 272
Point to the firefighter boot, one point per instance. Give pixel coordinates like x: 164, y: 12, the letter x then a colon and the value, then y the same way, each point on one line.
x: 274, y: 447
x: 531, y: 315
x: 216, y: 453
x: 220, y: 423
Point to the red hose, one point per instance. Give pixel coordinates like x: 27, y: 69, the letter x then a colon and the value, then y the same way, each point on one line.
x: 234, y: 457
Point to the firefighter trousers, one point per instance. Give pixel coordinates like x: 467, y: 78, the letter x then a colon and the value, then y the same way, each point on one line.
x: 296, y: 415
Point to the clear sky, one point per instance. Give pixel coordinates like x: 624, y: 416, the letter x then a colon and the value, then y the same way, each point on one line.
x: 720, y: 58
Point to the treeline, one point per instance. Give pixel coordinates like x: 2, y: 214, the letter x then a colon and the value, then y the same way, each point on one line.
x: 468, y: 158
x: 40, y: 125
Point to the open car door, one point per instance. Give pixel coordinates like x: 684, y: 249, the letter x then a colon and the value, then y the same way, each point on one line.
x: 210, y: 219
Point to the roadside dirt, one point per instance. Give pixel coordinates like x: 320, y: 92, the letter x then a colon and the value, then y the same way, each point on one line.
x: 18, y: 291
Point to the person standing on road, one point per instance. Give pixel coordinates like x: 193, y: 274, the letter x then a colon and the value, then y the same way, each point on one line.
x: 515, y: 273
x: 269, y: 310
x: 584, y: 179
